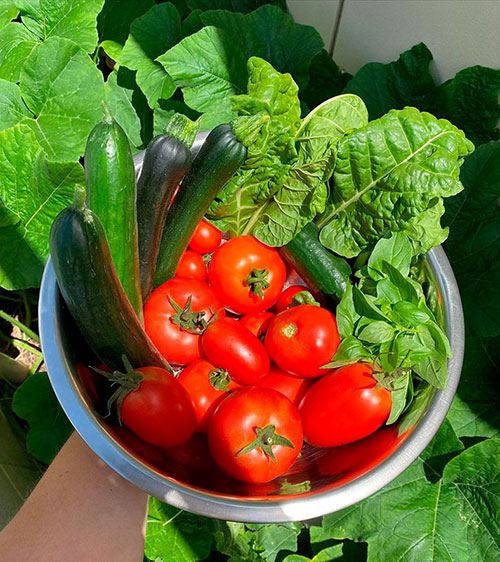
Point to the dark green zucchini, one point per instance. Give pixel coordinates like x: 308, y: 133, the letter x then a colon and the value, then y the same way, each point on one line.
x: 323, y: 271
x: 92, y: 291
x: 166, y: 161
x: 111, y: 195
x: 218, y: 159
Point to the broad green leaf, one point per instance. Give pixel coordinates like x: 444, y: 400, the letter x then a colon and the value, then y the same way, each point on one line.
x: 327, y: 555
x: 399, y: 393
x: 270, y: 33
x: 8, y: 12
x: 271, y: 539
x: 12, y: 108
x: 376, y: 332
x: 475, y: 411
x: 35, y: 402
x: 409, y: 315
x: 395, y: 250
x: 18, y: 472
x: 209, y: 67
x: 151, y: 35
x: 165, y: 110
x: 191, y: 24
x: 32, y: 192
x: 16, y: 44
x: 173, y: 535
x: 388, y: 173
x: 440, y: 451
x: 326, y: 80
x: 116, y: 16
x: 474, y: 244
x: 346, y: 314
x: 422, y: 400
x: 413, y: 519
x: 434, y: 370
x: 425, y: 230
x: 112, y: 49
x: 243, y: 6
x: 349, y: 351
x: 64, y: 89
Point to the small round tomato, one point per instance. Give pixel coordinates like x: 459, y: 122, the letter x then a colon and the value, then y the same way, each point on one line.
x: 192, y: 266
x: 291, y: 386
x: 247, y: 275
x: 207, y: 386
x: 343, y: 406
x: 257, y: 322
x: 206, y: 238
x: 255, y: 434
x: 176, y: 314
x: 285, y: 299
x: 302, y: 339
x: 232, y: 347
x: 158, y: 410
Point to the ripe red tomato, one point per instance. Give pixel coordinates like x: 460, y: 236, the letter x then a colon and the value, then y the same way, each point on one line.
x: 232, y: 347
x: 344, y: 406
x: 192, y: 266
x: 159, y: 410
x: 176, y: 335
x: 257, y: 322
x: 247, y: 275
x: 291, y: 386
x: 255, y: 434
x: 206, y: 238
x: 285, y: 299
x: 302, y: 339
x: 207, y: 386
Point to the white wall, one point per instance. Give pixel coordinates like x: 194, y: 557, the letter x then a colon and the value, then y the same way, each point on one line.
x: 459, y: 33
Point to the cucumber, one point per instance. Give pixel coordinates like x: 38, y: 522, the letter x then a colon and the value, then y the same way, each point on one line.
x: 111, y: 195
x: 218, y: 159
x: 166, y: 161
x: 323, y: 271
x: 92, y: 291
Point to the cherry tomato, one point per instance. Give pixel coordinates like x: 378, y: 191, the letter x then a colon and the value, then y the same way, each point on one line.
x: 291, y: 386
x: 344, y: 406
x: 302, y: 339
x: 247, y: 275
x: 206, y: 238
x: 255, y: 434
x: 159, y: 410
x: 192, y: 266
x: 207, y: 386
x: 285, y: 299
x: 232, y: 347
x: 176, y: 333
x: 257, y: 322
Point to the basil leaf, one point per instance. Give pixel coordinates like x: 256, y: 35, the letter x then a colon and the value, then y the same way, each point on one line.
x: 364, y: 305
x: 376, y: 332
x: 408, y: 289
x: 422, y: 399
x: 395, y: 250
x: 350, y: 351
x: 398, y: 397
x: 346, y: 314
x: 434, y: 370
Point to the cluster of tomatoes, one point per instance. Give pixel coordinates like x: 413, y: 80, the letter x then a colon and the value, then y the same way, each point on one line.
x: 251, y: 363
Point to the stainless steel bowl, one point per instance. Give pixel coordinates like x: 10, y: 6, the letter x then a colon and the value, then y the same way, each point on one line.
x: 304, y: 493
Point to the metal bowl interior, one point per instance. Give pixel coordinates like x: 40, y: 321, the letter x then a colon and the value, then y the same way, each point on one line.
x: 320, y: 482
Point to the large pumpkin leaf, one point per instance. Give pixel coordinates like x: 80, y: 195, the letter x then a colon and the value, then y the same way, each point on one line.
x: 12, y: 108
x: 388, y: 173
x: 16, y: 44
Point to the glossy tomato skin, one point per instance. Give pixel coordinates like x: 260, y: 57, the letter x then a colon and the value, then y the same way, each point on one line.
x: 230, y: 346
x: 344, y: 406
x: 177, y: 345
x: 230, y: 270
x: 192, y: 266
x: 291, y: 386
x: 257, y: 322
x: 195, y: 378
x: 285, y: 299
x: 300, y: 340
x: 159, y: 411
x: 233, y: 427
x: 206, y: 238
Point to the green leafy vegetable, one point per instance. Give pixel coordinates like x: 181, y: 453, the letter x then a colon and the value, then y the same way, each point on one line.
x: 12, y: 108
x: 243, y: 6
x: 388, y: 173
x: 16, y: 44
x: 113, y: 22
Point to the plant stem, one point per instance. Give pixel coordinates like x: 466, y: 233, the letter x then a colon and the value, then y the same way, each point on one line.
x: 16, y: 342
x: 36, y: 365
x: 26, y: 331
x: 27, y: 309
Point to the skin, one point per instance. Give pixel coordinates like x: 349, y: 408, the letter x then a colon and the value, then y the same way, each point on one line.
x: 81, y: 510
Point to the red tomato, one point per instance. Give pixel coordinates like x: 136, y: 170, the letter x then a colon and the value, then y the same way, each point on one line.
x: 178, y: 339
x: 206, y: 238
x: 206, y: 386
x: 302, y: 339
x: 291, y: 386
x: 344, y: 406
x: 257, y: 322
x: 232, y: 347
x: 255, y: 434
x: 247, y: 274
x: 159, y: 410
x: 192, y: 266
x: 286, y: 297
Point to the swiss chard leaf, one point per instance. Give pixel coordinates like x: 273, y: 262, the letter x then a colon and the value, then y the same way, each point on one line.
x: 387, y: 173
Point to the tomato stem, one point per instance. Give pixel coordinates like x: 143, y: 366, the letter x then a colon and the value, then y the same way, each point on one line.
x: 186, y: 319
x: 219, y: 379
x: 257, y: 281
x: 266, y: 438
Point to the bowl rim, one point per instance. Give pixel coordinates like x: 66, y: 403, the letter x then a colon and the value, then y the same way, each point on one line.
x: 231, y: 508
